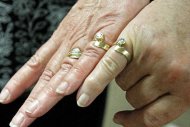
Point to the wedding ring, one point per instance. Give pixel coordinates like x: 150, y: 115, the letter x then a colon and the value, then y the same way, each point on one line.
x: 99, y: 41
x: 102, y: 45
x: 120, y: 48
x: 75, y: 53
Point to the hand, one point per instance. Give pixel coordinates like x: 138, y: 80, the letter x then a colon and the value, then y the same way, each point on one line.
x: 51, y: 63
x: 157, y: 80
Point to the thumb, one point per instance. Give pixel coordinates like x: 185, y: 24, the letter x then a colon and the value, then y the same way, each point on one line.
x: 160, y: 112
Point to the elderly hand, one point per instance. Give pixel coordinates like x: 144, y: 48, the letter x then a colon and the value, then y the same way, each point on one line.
x: 58, y: 74
x: 157, y: 80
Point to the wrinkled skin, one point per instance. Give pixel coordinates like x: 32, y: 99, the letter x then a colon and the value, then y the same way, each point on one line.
x: 51, y: 65
x: 156, y: 80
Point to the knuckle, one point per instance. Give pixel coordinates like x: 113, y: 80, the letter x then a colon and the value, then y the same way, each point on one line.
x: 35, y: 62
x: 94, y: 85
x: 50, y: 92
x: 110, y: 65
x: 47, y: 75
x: 176, y: 71
x: 54, y: 64
x: 79, y: 69
x: 92, y: 52
x: 66, y: 67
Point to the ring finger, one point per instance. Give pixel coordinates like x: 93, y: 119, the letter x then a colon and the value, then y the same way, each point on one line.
x: 106, y: 70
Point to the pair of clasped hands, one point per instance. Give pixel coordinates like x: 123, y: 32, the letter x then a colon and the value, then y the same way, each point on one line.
x: 156, y: 79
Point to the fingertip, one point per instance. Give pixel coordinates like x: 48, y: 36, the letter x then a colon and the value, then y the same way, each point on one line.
x: 116, y: 118
x: 83, y: 100
x: 5, y: 96
x: 119, y: 117
x: 123, y: 118
x: 21, y: 119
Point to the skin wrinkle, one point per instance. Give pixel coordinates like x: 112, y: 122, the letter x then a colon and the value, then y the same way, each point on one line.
x: 110, y: 65
x: 34, y: 63
x: 78, y: 34
x: 72, y: 26
x: 102, y: 26
x: 103, y: 21
x: 108, y: 17
x: 47, y: 75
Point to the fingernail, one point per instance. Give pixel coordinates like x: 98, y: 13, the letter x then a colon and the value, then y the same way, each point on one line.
x: 83, y: 100
x: 32, y: 106
x: 13, y: 125
x: 62, y: 88
x: 117, y: 119
x: 17, y: 120
x: 5, y: 94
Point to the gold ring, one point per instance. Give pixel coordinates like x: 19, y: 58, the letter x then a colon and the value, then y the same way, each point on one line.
x: 99, y: 41
x: 75, y: 53
x: 120, y: 48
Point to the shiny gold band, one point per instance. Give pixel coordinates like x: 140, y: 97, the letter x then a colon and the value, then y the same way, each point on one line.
x: 122, y: 51
x: 120, y: 48
x: 101, y: 45
x: 99, y: 41
x: 75, y: 53
x: 74, y: 56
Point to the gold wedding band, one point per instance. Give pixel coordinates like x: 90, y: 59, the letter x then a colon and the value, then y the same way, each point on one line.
x: 99, y: 41
x: 75, y: 53
x: 120, y: 48
x: 102, y: 45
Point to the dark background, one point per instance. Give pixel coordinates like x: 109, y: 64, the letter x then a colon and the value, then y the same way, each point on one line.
x: 65, y: 114
x: 24, y: 26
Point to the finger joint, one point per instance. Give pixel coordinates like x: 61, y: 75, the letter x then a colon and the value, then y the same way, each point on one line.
x: 110, y: 65
x: 35, y: 62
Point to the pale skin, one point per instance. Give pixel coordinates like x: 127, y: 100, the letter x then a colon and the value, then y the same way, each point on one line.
x: 51, y: 65
x: 157, y: 80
